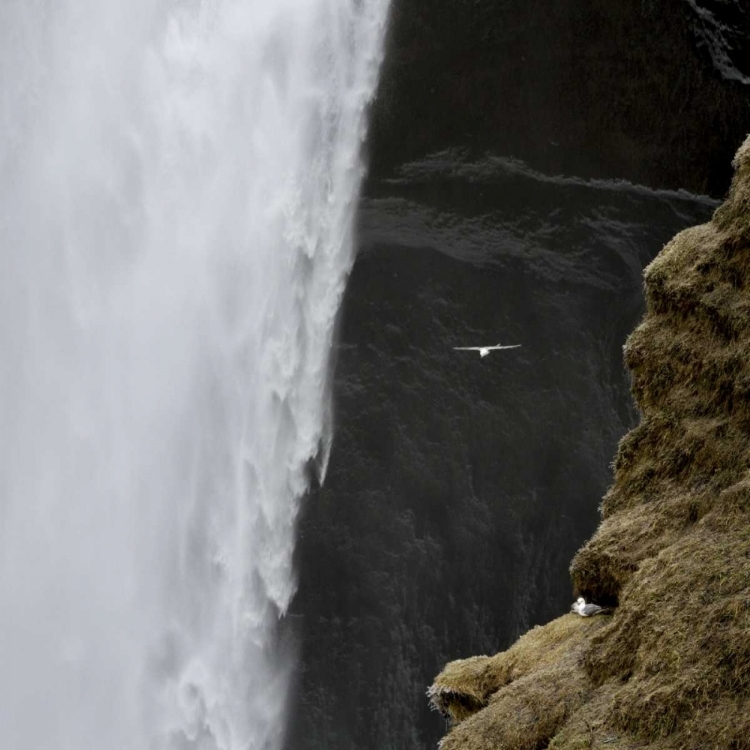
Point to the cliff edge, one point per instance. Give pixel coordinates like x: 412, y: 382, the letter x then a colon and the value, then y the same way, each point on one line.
x: 671, y: 667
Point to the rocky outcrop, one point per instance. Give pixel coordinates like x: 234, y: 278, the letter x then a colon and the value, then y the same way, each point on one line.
x: 671, y: 668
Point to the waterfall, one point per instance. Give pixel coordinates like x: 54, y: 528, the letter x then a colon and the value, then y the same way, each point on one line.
x: 178, y: 184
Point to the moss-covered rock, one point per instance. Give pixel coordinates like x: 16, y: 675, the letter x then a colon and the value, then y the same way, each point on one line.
x: 523, y: 695
x: 671, y: 668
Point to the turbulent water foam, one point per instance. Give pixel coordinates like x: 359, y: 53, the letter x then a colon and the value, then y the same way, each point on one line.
x: 177, y: 188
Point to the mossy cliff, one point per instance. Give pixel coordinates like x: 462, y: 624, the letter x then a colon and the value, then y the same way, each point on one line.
x: 671, y: 667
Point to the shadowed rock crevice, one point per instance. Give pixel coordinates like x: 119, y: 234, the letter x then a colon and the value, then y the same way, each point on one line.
x: 671, y: 668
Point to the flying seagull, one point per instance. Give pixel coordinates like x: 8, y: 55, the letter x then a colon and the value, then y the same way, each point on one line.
x: 588, y: 610
x: 485, y: 350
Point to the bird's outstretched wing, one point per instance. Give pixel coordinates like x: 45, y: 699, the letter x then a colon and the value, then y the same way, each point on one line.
x: 504, y: 346
x: 470, y: 348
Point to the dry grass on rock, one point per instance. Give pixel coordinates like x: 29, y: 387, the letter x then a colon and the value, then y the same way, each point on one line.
x: 525, y: 692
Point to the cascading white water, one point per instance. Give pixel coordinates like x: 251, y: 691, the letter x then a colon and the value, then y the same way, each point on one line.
x: 178, y: 181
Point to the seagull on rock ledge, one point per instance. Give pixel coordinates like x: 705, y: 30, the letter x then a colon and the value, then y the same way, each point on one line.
x: 589, y: 610
x: 485, y: 350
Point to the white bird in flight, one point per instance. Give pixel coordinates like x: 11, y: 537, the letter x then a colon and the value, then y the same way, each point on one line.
x: 485, y: 350
x: 588, y: 610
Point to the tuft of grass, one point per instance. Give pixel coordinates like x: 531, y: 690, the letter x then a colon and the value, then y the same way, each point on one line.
x: 524, y: 693
x: 671, y: 669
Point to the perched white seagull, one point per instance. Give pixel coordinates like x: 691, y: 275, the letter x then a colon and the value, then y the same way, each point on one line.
x: 485, y: 350
x: 590, y: 609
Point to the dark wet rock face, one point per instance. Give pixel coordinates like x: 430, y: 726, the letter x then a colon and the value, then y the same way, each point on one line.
x: 585, y: 87
x: 459, y: 488
x: 722, y: 28
x: 528, y: 159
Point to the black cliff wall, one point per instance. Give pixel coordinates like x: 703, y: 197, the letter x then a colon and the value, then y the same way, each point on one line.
x: 527, y: 159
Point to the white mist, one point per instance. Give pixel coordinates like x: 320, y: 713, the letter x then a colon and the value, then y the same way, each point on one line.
x: 178, y: 182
